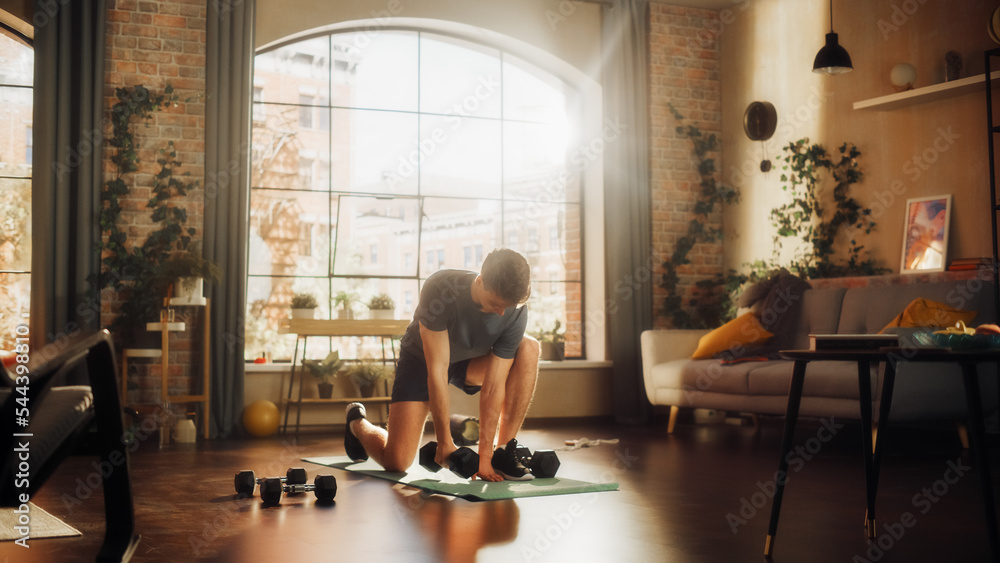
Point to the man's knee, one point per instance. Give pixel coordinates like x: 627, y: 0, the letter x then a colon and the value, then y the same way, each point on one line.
x: 397, y: 459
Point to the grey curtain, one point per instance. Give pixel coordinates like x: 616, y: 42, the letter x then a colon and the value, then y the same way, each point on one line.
x: 627, y: 202
x: 66, y: 167
x: 229, y: 76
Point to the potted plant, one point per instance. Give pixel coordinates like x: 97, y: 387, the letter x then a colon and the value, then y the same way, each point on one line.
x: 381, y: 306
x: 365, y: 374
x: 304, y: 306
x: 553, y: 343
x: 324, y: 370
x: 345, y: 300
x: 187, y: 270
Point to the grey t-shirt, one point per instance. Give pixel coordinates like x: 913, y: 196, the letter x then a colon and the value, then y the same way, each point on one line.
x: 446, y: 304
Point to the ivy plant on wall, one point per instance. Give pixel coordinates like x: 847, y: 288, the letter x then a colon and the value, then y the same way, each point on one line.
x: 808, y: 218
x: 705, y: 309
x: 131, y: 267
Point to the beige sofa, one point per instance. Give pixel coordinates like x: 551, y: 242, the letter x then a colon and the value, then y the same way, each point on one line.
x: 922, y: 391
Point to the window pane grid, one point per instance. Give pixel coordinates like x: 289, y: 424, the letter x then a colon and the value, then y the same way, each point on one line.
x: 434, y: 172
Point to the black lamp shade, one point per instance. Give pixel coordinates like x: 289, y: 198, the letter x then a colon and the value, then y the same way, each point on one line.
x: 832, y: 58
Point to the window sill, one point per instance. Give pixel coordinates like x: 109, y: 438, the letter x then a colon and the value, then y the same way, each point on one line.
x: 542, y: 366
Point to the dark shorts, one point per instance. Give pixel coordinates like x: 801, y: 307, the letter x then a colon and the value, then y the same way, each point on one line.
x: 411, y: 379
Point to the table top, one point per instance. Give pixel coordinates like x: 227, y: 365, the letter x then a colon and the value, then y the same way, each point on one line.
x: 897, y: 354
x: 339, y: 327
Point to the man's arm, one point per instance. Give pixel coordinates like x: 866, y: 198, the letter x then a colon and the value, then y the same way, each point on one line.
x: 437, y: 354
x: 490, y: 405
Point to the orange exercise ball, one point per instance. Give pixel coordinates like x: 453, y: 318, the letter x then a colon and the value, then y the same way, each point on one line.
x: 260, y: 418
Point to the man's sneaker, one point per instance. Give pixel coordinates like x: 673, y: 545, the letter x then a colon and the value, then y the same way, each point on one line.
x: 352, y: 445
x: 507, y: 462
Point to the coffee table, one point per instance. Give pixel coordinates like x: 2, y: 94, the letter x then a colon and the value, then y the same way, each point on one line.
x: 967, y: 359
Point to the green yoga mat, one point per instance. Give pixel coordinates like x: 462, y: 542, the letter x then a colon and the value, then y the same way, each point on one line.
x: 447, y: 483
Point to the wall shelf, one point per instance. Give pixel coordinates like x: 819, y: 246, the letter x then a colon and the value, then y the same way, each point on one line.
x: 926, y: 93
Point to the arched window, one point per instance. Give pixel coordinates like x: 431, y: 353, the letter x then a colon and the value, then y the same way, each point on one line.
x: 379, y: 158
x: 16, y: 79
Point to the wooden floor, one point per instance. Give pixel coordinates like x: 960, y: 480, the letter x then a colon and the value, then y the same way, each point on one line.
x: 702, y: 494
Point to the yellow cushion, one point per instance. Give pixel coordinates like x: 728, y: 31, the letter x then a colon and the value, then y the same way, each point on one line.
x: 744, y: 329
x: 926, y: 313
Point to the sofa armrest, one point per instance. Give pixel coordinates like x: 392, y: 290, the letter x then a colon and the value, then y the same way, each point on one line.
x: 664, y: 345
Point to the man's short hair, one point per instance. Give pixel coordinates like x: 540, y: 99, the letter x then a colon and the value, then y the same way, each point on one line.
x: 506, y: 273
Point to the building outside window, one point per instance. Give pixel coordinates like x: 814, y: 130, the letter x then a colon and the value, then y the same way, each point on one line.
x: 422, y: 145
x: 16, y: 79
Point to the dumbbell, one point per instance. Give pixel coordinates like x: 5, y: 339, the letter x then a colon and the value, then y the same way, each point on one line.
x: 462, y: 461
x: 543, y: 463
x: 325, y: 487
x: 245, y: 480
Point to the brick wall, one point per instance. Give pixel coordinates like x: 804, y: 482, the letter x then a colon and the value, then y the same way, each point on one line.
x: 684, y: 71
x: 156, y: 43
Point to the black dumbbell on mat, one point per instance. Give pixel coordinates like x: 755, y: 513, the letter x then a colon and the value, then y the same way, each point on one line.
x: 462, y: 461
x: 542, y: 463
x: 325, y: 487
x: 245, y: 480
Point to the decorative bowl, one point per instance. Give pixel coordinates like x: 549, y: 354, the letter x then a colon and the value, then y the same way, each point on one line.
x: 957, y: 341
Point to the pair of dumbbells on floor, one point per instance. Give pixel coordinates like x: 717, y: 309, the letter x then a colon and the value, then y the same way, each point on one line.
x: 294, y: 481
x: 465, y: 462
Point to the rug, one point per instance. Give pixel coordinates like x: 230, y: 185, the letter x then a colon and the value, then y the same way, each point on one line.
x: 40, y: 524
x: 447, y: 483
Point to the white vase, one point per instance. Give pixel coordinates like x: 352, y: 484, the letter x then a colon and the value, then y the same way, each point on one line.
x: 381, y: 314
x: 345, y: 314
x: 303, y: 313
x: 189, y: 291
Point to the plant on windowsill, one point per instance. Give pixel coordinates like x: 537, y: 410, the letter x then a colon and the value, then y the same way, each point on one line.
x: 553, y: 343
x: 366, y: 373
x: 303, y: 306
x: 324, y: 371
x: 381, y: 306
x: 345, y: 300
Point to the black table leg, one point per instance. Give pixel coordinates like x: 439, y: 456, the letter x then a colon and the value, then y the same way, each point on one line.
x: 971, y: 377
x: 865, y: 400
x: 791, y: 416
x: 885, y: 404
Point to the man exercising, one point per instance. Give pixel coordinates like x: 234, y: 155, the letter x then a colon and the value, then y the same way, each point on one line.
x: 467, y: 330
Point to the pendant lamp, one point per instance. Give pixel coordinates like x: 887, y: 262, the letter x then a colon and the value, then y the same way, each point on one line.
x: 832, y: 58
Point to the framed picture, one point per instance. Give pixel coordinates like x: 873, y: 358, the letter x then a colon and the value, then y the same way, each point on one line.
x: 925, y: 234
